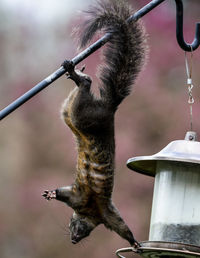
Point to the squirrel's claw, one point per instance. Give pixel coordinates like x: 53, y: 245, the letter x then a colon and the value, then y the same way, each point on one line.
x: 49, y: 195
x: 68, y: 65
x: 82, y: 68
x: 136, y: 245
x: 68, y: 75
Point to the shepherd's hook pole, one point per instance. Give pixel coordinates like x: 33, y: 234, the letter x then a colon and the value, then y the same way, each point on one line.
x: 58, y: 73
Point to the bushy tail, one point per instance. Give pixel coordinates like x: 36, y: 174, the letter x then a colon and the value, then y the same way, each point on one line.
x: 124, y: 53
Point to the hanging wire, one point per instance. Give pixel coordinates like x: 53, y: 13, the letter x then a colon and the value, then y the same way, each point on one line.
x: 188, y: 65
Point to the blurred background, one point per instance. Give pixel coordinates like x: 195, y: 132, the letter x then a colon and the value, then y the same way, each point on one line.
x: 37, y: 151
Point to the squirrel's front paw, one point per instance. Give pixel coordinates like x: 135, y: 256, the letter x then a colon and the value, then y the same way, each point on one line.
x: 136, y: 245
x: 49, y: 195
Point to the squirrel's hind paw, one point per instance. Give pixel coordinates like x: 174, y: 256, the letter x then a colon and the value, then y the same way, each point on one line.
x: 68, y: 65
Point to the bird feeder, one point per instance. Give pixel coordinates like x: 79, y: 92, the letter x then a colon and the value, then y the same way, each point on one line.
x: 175, y: 218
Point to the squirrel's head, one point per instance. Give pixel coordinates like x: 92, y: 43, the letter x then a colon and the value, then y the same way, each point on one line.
x: 80, y: 227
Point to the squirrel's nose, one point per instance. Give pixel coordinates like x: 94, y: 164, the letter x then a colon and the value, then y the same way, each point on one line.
x: 74, y: 242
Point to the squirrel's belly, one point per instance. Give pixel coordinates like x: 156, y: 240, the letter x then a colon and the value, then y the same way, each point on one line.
x: 101, y: 183
x: 96, y: 177
x: 66, y: 110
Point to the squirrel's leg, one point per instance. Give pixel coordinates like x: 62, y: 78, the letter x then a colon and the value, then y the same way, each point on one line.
x: 61, y: 194
x: 49, y: 195
x: 113, y: 221
x: 67, y: 194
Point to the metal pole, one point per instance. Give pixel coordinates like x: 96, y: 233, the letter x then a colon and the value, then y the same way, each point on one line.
x: 179, y: 30
x: 77, y: 59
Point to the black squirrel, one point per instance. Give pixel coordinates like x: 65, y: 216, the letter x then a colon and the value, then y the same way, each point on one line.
x: 91, y: 120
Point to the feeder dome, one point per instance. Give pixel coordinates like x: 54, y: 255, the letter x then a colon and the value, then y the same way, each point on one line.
x: 175, y: 215
x: 184, y: 151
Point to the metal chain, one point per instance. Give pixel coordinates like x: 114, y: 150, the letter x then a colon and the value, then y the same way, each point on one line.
x: 188, y: 66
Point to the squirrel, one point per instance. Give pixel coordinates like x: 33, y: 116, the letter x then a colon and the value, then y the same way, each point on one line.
x: 91, y: 120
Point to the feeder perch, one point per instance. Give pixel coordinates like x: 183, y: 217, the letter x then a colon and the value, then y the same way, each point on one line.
x: 175, y: 218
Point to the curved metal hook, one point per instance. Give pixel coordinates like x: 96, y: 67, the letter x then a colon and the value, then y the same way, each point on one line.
x: 179, y: 30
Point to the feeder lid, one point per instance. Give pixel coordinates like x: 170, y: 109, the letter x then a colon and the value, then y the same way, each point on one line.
x: 185, y: 151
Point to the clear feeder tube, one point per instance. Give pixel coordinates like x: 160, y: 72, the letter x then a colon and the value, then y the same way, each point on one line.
x: 176, y: 203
